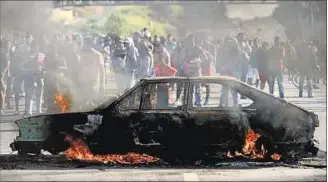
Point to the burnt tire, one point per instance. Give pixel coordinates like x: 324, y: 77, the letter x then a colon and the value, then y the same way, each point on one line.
x: 55, y: 144
x: 314, y: 146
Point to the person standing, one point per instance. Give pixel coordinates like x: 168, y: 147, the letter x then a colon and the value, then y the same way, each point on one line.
x: 18, y: 70
x: 146, y: 59
x: 306, y: 54
x: 52, y: 66
x: 71, y: 55
x: 170, y: 45
x: 276, y: 66
x: 163, y: 69
x: 92, y: 72
x: 207, y: 66
x: 192, y: 65
x: 245, y: 49
x: 230, y: 66
x: 131, y: 62
x: 33, y: 78
x: 119, y: 64
x: 255, y: 56
x: 161, y: 54
x: 262, y: 64
x: 290, y: 59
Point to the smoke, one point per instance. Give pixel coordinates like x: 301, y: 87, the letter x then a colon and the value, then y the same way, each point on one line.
x: 25, y: 16
x: 250, y: 11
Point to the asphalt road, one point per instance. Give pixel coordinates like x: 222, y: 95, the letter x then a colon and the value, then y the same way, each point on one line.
x: 8, y: 132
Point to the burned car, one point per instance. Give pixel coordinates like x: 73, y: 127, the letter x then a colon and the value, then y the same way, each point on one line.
x: 154, y: 119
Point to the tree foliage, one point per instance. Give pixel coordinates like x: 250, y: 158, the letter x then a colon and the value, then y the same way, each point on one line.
x: 296, y: 16
x: 115, y: 24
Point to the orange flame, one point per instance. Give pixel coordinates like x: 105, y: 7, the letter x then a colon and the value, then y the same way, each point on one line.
x: 80, y: 151
x: 275, y: 157
x: 62, y: 101
x: 249, y: 149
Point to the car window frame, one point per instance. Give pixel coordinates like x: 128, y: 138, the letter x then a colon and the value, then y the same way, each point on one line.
x: 127, y: 94
x: 222, y: 82
x: 186, y: 91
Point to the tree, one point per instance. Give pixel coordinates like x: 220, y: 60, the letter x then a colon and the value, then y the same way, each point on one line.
x: 296, y: 17
x: 115, y: 24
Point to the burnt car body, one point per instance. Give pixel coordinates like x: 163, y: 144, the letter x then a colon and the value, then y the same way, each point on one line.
x: 132, y: 123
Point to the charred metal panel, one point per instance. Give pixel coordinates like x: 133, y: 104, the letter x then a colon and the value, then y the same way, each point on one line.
x: 34, y: 128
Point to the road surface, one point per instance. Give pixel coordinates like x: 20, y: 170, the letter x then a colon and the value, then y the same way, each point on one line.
x: 8, y: 132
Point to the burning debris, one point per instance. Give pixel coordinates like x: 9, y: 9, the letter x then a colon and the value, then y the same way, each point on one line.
x: 80, y: 151
x: 249, y: 149
x: 62, y: 102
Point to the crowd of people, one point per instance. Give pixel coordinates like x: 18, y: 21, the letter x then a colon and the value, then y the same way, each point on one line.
x: 28, y: 64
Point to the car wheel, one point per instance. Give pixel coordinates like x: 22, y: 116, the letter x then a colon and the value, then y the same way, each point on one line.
x: 314, y: 146
x: 55, y: 144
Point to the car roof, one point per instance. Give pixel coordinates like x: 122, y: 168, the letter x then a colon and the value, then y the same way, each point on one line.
x: 205, y: 78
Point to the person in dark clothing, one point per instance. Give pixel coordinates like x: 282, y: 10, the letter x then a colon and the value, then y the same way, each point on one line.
x: 276, y: 66
x: 33, y: 78
x: 262, y: 64
x: 244, y: 56
x: 306, y: 54
x: 254, y: 58
x: 230, y: 66
x: 21, y: 55
x: 71, y: 55
x: 290, y: 59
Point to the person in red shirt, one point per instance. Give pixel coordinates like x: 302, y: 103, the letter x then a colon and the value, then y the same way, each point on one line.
x: 163, y: 70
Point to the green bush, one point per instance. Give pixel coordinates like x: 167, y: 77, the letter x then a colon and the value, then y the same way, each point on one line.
x: 114, y: 24
x: 126, y: 20
x: 134, y: 18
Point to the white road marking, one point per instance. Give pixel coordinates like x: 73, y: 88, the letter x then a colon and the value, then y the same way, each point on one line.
x: 190, y: 177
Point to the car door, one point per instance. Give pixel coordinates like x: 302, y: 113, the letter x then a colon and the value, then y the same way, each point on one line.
x: 218, y: 122
x: 163, y: 112
x: 120, y: 120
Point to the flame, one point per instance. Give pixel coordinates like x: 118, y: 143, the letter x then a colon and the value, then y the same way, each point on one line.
x: 275, y: 157
x: 62, y: 101
x: 80, y: 151
x: 249, y: 150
